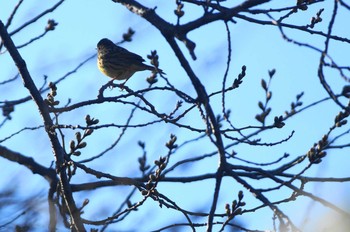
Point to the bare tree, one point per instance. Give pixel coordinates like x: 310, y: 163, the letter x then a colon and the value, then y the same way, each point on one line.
x: 105, y: 176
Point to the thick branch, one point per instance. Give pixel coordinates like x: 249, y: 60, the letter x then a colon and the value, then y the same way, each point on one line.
x: 48, y: 173
x: 44, y: 112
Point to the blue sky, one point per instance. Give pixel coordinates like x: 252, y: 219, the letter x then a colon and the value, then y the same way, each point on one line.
x: 81, y: 24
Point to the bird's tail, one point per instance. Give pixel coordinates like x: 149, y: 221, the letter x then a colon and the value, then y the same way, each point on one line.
x: 159, y: 71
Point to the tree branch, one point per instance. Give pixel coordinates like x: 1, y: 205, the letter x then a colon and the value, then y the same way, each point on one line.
x: 44, y: 112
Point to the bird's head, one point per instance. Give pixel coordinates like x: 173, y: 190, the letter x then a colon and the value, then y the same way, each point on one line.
x: 105, y: 44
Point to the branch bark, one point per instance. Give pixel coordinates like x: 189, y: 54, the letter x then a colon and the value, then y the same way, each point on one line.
x: 57, y: 149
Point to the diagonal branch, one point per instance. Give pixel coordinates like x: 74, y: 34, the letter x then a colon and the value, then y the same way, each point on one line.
x: 48, y: 173
x: 44, y: 112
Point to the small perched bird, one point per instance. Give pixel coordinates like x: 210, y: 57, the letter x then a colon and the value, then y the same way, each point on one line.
x: 118, y: 63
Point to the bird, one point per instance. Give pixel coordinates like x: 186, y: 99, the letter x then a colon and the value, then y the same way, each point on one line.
x: 118, y: 63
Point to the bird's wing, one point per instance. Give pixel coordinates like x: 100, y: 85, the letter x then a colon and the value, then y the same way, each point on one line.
x: 129, y: 55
